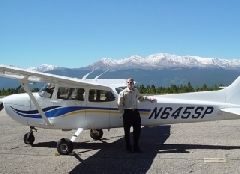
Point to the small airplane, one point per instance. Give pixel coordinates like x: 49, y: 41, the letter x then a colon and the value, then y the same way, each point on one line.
x: 81, y: 104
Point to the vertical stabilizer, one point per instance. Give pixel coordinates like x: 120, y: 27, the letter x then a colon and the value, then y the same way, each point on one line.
x: 233, y: 92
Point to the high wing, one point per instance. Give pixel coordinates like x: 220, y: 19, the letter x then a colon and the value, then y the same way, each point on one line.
x: 34, y: 76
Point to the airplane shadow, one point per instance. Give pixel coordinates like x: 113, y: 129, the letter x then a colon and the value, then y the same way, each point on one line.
x: 113, y: 158
x: 50, y: 144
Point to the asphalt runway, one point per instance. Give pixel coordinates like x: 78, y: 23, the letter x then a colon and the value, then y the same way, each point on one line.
x: 211, y: 147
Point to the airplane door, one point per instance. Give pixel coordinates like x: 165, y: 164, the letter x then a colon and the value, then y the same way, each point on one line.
x: 97, y: 109
x: 115, y: 115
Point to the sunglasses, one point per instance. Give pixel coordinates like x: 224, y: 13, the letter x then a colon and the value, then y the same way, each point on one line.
x: 130, y: 82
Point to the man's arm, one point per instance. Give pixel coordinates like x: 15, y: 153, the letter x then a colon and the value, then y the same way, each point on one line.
x: 142, y: 98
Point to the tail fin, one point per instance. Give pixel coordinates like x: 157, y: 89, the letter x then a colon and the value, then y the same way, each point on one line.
x: 233, y: 92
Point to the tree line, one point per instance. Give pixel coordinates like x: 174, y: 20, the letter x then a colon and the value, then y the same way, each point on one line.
x: 148, y: 89
x: 18, y: 90
x: 175, y: 89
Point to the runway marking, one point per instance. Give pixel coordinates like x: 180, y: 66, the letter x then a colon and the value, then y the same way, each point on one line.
x: 214, y: 160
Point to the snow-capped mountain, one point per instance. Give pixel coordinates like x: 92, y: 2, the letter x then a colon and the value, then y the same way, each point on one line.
x: 155, y: 61
x: 164, y: 60
x: 43, y: 68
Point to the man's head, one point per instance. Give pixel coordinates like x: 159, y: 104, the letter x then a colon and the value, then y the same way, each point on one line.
x: 130, y: 83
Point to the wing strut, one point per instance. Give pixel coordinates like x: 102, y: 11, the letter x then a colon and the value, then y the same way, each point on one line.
x: 24, y: 83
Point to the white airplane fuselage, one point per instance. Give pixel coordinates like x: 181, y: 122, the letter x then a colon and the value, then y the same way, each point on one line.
x: 72, y: 114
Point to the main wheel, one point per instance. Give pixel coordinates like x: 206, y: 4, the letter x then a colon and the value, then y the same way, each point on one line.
x: 29, y: 138
x: 96, y: 134
x: 64, y: 146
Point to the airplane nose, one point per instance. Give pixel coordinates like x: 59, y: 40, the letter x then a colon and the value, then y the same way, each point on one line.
x: 16, y: 101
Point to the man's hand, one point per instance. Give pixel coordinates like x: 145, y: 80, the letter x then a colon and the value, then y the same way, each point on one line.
x: 152, y: 100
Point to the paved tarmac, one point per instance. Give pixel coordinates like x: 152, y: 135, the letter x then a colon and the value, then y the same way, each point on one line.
x: 210, y: 147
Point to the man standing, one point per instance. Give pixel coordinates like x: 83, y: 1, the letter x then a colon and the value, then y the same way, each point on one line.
x: 127, y: 102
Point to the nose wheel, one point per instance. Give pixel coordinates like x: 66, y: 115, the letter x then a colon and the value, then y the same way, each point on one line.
x: 64, y: 145
x: 29, y: 137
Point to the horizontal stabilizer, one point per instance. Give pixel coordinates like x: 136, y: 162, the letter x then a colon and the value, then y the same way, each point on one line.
x: 232, y: 110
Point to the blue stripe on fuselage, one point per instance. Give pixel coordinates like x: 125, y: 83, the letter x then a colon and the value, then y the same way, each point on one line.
x: 56, y: 111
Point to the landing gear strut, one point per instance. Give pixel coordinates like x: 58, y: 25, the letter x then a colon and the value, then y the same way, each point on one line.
x: 96, y: 134
x: 29, y: 137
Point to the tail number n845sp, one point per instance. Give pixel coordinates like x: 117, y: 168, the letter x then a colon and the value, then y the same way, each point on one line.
x: 195, y: 112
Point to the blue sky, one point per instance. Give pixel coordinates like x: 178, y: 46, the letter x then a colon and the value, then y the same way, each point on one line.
x: 76, y: 33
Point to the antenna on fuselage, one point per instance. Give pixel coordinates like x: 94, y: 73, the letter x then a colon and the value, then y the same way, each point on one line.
x: 101, y: 74
x: 85, y: 76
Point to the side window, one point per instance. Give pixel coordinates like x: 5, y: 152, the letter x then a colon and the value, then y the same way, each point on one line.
x: 78, y: 94
x: 71, y: 93
x: 63, y: 93
x: 100, y: 96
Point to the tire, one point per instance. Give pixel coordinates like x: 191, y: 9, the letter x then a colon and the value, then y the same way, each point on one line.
x: 64, y: 146
x: 96, y: 134
x: 29, y: 138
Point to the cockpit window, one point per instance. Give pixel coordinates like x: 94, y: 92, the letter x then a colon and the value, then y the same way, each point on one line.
x: 96, y: 95
x: 71, y: 93
x: 46, y: 91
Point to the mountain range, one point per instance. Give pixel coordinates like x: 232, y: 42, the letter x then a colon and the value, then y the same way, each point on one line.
x: 161, y: 69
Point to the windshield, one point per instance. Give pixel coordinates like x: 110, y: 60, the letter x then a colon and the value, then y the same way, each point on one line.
x: 46, y: 90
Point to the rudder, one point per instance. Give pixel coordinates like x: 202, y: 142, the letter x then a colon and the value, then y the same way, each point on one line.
x: 233, y: 92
